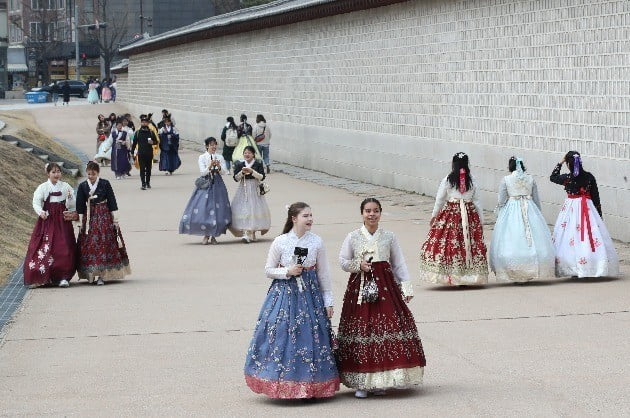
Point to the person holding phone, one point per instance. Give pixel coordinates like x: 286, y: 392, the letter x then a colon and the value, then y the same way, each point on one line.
x: 379, y: 346
x: 290, y: 355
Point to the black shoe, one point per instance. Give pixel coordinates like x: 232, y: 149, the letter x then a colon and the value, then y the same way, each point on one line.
x: 143, y: 187
x: 148, y: 186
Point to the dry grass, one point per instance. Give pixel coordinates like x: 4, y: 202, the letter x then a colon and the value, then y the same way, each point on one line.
x: 20, y: 173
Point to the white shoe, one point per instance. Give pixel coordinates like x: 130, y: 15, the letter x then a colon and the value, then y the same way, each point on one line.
x: 204, y: 241
x: 100, y: 282
x: 64, y: 283
x: 213, y: 241
x: 245, y: 238
x: 361, y: 394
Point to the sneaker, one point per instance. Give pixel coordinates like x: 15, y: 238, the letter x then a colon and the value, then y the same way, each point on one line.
x: 148, y: 186
x: 204, y: 241
x: 213, y: 241
x: 143, y: 187
x: 100, y: 282
x: 245, y: 238
x: 64, y: 283
x: 361, y: 394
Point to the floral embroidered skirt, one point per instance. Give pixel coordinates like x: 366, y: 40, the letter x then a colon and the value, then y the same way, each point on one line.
x: 249, y: 209
x: 443, y: 259
x: 51, y: 252
x: 208, y: 212
x: 290, y: 355
x: 576, y: 254
x: 379, y: 346
x: 102, y: 249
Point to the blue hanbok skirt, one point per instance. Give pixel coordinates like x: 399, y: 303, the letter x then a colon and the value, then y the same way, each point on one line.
x: 169, y: 160
x: 290, y: 355
x: 208, y: 212
x: 521, y: 247
x: 120, y: 160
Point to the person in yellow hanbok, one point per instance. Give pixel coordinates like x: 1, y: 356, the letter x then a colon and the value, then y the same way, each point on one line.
x: 245, y: 139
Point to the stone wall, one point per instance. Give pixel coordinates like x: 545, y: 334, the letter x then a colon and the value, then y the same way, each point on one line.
x: 388, y: 95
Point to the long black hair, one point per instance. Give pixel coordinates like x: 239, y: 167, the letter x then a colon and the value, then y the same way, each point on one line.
x: 232, y: 124
x: 294, y: 210
x: 574, y: 161
x: 460, y: 162
x: 512, y: 164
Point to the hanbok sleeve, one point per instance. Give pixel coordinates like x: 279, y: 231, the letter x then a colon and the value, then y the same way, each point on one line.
x: 399, y: 268
x: 272, y: 270
x: 238, y: 175
x: 503, y: 194
x: 203, y: 165
x: 224, y: 169
x: 440, y: 197
x: 112, y: 205
x: 38, y: 199
x: 535, y: 196
x: 323, y: 274
x: 558, y: 178
x: 81, y: 203
x: 476, y: 198
x: 258, y: 171
x: 594, y: 192
x: 347, y: 260
x: 70, y: 197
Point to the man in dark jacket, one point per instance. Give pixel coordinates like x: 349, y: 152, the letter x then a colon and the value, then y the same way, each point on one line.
x: 143, y: 141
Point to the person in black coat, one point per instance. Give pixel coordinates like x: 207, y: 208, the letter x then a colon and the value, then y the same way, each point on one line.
x: 143, y: 142
x: 65, y: 90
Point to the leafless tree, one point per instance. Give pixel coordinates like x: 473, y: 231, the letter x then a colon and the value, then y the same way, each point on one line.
x: 43, y: 25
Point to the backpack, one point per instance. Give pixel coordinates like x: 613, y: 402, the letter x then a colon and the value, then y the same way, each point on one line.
x: 231, y: 138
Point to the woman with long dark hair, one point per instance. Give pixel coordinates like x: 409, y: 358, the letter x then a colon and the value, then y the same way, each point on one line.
x: 454, y: 252
x: 583, y: 245
x: 521, y: 248
x: 229, y: 136
x: 50, y: 258
x: 379, y: 346
x: 262, y: 137
x: 208, y: 211
x: 245, y: 139
x: 290, y: 355
x: 250, y: 212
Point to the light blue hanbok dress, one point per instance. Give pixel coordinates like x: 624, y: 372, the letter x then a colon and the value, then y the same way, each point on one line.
x: 521, y: 247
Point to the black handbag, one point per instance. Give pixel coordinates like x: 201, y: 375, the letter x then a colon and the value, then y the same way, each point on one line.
x: 203, y: 182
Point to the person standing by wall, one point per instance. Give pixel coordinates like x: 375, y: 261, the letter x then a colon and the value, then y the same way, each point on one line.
x: 262, y: 136
x: 229, y: 136
x: 143, y: 142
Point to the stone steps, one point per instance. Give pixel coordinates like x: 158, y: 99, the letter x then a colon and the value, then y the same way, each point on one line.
x: 67, y: 167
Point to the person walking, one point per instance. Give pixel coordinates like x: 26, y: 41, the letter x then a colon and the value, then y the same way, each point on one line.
x: 103, y: 129
x: 379, y: 345
x: 245, y: 139
x: 121, y: 146
x: 262, y: 137
x: 142, y: 147
x: 50, y: 257
x: 54, y: 91
x: 106, y: 93
x: 169, y: 147
x: 93, y: 96
x: 290, y: 355
x: 229, y: 136
x: 454, y: 252
x: 65, y: 90
x: 208, y: 211
x: 582, y: 242
x: 102, y: 251
x: 521, y: 247
x: 250, y: 212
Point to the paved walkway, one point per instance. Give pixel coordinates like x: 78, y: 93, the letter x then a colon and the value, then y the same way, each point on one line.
x: 171, y: 340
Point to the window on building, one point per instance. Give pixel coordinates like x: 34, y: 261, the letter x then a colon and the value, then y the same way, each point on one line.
x: 36, y: 31
x: 36, y: 4
x: 51, y: 33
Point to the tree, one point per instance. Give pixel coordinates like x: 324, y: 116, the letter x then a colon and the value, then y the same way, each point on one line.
x: 42, y: 24
x: 109, y: 33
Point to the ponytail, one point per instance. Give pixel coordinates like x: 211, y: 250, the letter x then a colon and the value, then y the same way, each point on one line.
x: 293, y: 210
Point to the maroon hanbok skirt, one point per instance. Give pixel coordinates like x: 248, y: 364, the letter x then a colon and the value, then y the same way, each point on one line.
x: 454, y: 252
x: 102, y: 251
x: 379, y: 346
x: 51, y: 252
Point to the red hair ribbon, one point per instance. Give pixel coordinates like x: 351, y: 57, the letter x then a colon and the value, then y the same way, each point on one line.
x: 462, y: 181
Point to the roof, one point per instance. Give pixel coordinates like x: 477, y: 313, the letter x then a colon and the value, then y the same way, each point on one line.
x: 121, y: 67
x: 281, y: 12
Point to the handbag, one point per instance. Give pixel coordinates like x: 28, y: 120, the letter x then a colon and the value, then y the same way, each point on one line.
x: 136, y: 163
x: 261, y: 136
x: 203, y: 182
x: 263, y: 188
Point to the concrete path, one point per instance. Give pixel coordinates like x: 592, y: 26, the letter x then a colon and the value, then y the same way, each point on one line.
x: 171, y: 340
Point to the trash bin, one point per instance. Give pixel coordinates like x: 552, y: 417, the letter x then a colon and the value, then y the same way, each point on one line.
x: 36, y: 97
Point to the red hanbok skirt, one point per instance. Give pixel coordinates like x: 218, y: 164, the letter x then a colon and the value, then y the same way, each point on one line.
x: 51, y: 252
x: 379, y: 346
x: 102, y: 251
x: 443, y: 258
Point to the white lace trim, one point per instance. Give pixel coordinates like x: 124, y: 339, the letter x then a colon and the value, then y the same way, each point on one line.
x: 389, y: 379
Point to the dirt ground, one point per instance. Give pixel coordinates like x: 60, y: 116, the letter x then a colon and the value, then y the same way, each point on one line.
x: 20, y: 173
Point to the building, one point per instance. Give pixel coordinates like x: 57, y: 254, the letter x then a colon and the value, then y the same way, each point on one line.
x: 386, y: 91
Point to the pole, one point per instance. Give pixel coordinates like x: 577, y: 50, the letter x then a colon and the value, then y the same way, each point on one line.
x: 77, y: 71
x: 141, y: 20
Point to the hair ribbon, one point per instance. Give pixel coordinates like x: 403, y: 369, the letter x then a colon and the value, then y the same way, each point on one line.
x: 576, y: 165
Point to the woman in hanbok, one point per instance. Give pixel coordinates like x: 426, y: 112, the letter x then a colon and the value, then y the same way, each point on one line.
x: 379, y: 346
x: 169, y: 147
x: 93, y: 93
x: 250, y: 212
x: 103, y: 128
x: 583, y: 245
x: 454, y: 252
x: 290, y: 355
x: 521, y: 247
x: 113, y: 89
x: 50, y: 258
x: 104, y: 154
x: 208, y: 211
x: 102, y: 252
x: 245, y: 139
x: 106, y: 93
x: 121, y: 145
x: 229, y: 136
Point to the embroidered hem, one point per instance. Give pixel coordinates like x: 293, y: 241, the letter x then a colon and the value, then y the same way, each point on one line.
x: 454, y: 280
x: 284, y: 389
x: 389, y: 379
x: 106, y: 273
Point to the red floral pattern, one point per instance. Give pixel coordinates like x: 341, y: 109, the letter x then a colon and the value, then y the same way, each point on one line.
x: 293, y: 390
